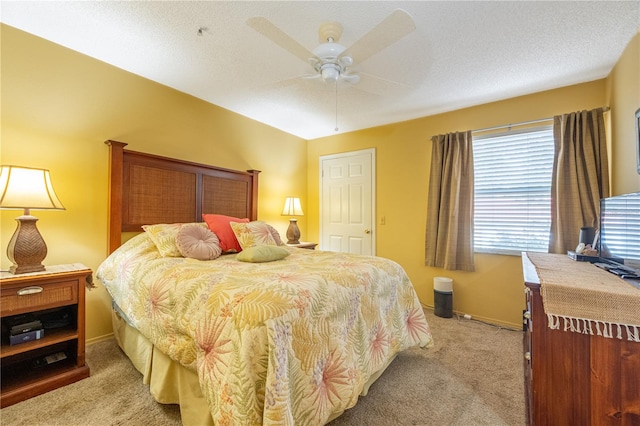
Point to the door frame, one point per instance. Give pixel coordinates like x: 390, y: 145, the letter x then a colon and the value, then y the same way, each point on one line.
x: 374, y: 218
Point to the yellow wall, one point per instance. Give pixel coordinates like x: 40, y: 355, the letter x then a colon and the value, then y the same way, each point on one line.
x: 623, y: 92
x: 58, y: 108
x: 403, y: 152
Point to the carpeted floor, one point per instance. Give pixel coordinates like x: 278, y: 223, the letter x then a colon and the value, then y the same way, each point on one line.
x: 472, y: 376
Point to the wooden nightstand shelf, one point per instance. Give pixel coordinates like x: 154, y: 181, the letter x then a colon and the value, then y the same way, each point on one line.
x: 61, y: 290
x: 304, y: 245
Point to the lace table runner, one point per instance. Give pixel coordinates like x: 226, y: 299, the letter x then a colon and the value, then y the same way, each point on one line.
x: 582, y: 298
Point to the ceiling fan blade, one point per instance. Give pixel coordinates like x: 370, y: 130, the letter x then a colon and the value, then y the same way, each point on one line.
x: 350, y: 78
x: 381, y: 86
x: 395, y: 26
x: 279, y: 37
x: 298, y: 81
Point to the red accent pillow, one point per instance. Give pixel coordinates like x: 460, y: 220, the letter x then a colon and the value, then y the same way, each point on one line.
x: 219, y: 224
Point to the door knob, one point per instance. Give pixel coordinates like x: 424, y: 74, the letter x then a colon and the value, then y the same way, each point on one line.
x: 367, y: 231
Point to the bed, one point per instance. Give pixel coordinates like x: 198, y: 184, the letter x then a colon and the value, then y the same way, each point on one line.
x: 237, y: 339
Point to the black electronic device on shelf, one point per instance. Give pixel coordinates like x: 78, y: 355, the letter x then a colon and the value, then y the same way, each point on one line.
x: 56, y: 318
x: 22, y: 329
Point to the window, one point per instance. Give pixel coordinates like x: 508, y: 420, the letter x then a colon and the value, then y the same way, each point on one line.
x: 513, y: 191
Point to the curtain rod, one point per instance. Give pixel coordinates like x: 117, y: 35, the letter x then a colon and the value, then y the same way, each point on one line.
x: 524, y: 123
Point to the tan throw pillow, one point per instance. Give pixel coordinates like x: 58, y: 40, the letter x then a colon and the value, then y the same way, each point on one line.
x: 198, y: 242
x: 259, y: 254
x: 163, y: 236
x: 251, y: 234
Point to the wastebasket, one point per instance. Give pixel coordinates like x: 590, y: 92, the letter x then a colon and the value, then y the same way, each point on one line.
x: 443, y: 296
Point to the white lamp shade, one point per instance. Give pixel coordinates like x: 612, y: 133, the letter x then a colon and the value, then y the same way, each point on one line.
x: 292, y: 207
x: 27, y: 188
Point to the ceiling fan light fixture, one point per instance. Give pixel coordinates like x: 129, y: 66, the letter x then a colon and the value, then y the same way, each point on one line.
x: 330, y: 73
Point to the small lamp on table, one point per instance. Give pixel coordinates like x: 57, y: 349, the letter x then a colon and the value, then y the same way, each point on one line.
x: 27, y: 188
x: 292, y: 208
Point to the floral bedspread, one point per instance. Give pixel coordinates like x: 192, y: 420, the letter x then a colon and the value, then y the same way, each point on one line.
x: 285, y: 342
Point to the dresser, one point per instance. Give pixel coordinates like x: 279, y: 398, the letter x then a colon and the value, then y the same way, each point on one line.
x: 56, y: 297
x: 581, y: 372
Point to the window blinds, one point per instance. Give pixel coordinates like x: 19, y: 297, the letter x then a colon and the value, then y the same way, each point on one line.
x: 513, y: 191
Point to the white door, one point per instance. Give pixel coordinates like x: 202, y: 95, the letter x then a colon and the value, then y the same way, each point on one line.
x: 347, y: 188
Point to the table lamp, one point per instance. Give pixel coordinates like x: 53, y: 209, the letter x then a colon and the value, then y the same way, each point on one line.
x: 27, y: 188
x: 292, y: 208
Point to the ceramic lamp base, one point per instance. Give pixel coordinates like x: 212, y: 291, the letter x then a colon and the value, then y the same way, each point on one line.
x: 26, y: 249
x: 293, y: 232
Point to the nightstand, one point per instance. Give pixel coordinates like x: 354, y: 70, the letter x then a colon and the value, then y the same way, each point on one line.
x: 55, y: 296
x: 310, y: 246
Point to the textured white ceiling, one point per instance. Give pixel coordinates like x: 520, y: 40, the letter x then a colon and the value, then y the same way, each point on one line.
x: 461, y: 53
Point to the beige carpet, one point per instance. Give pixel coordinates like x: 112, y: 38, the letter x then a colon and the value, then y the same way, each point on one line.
x: 472, y: 376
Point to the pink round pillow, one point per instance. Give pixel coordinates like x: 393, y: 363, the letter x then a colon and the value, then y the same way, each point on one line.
x: 198, y: 242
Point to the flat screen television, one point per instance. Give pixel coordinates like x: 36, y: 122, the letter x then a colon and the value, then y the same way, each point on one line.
x: 620, y: 229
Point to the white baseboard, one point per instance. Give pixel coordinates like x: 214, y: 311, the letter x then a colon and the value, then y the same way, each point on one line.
x: 491, y: 321
x: 98, y: 339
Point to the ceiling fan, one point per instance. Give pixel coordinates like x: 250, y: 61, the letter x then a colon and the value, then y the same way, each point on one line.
x: 331, y: 61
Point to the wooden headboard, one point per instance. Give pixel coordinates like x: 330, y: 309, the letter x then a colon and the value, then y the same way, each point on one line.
x: 146, y: 189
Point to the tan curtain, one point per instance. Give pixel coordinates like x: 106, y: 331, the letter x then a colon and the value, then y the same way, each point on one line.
x: 580, y: 176
x: 449, y: 239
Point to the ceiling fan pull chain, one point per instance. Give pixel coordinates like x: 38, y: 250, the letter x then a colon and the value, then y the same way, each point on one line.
x: 336, y: 129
